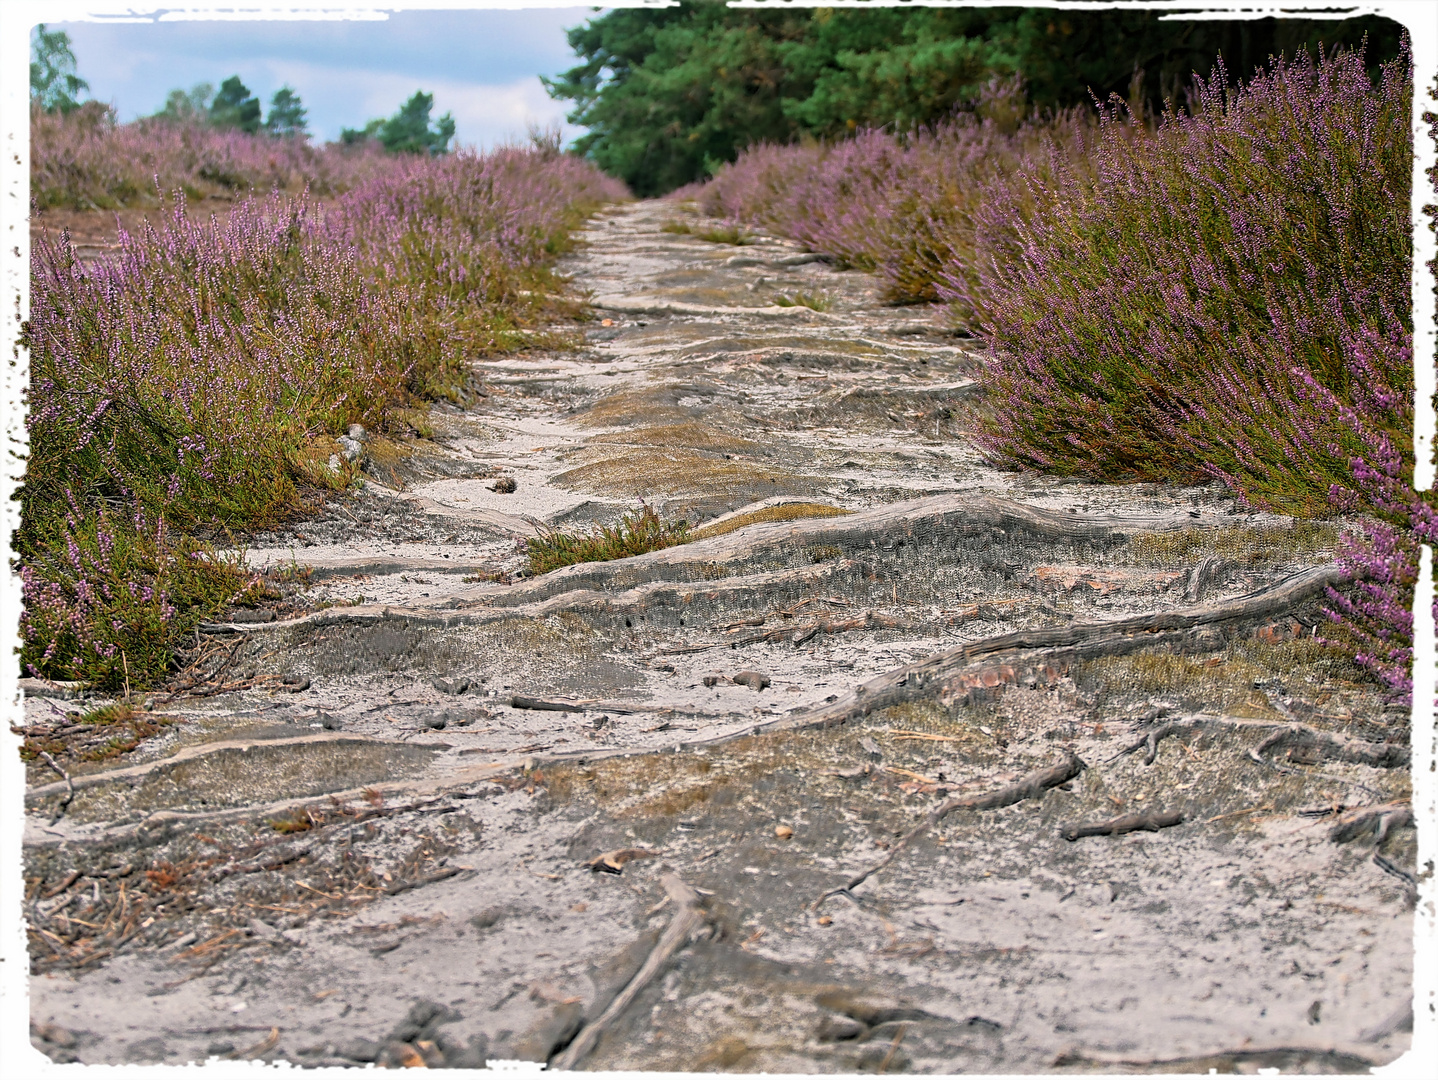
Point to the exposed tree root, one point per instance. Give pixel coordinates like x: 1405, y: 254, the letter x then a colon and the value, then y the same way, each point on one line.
x: 1309, y: 745
x: 954, y: 518
x: 799, y: 635
x: 1187, y: 723
x: 1376, y: 821
x: 1038, y: 655
x: 687, y: 919
x: 1150, y: 822
x: 1032, y: 785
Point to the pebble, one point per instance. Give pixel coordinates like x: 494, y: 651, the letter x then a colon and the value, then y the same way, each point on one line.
x: 752, y: 679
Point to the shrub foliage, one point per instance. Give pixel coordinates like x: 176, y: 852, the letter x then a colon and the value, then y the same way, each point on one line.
x: 1221, y: 291
x: 188, y: 388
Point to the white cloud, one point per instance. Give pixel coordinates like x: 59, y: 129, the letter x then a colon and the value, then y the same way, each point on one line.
x: 484, y: 113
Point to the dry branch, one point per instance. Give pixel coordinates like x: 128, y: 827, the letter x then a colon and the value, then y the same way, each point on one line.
x: 1034, y: 784
x: 1150, y: 822
x: 688, y: 918
x: 1030, y: 653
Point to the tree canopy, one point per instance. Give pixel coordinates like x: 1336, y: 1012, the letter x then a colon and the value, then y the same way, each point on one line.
x: 408, y: 131
x: 287, y: 113
x: 235, y: 107
x: 669, y: 94
x: 54, y: 84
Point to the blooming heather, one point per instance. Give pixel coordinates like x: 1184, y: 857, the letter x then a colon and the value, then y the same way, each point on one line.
x: 83, y: 159
x: 1222, y: 293
x: 190, y: 386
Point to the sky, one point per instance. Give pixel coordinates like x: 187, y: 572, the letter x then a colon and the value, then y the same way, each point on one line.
x: 482, y: 66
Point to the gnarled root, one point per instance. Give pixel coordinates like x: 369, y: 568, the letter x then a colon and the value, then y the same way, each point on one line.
x: 1032, y: 785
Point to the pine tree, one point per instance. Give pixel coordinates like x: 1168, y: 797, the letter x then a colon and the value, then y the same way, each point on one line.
x: 287, y: 114
x: 235, y: 107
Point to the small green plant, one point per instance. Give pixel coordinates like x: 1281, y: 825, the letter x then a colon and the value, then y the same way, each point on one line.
x: 815, y: 301
x: 296, y: 821
x: 678, y: 227
x: 725, y: 234
x: 636, y: 533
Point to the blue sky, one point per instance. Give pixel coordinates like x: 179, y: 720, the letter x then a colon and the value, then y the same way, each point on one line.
x: 482, y: 66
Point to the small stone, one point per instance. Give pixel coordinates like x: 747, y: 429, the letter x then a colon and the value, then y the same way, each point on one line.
x: 263, y: 930
x: 752, y: 679
x: 783, y: 832
x: 505, y: 485
x: 220, y: 1049
x: 54, y: 1034
x: 435, y: 723
x: 353, y: 449
x: 824, y: 920
x: 360, y: 1050
x: 450, y: 686
x: 715, y: 680
x: 840, y: 1029
x: 356, y: 432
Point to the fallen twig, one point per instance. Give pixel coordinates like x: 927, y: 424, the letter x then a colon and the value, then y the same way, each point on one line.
x: 1035, y: 783
x: 1150, y: 822
x: 1390, y: 867
x: 429, y: 879
x: 688, y: 918
x: 274, y: 862
x: 518, y: 701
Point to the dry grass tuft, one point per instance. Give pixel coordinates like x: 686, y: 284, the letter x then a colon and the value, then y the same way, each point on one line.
x: 782, y: 512
x: 1245, y: 544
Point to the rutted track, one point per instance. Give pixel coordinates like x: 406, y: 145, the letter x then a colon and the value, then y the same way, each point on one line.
x: 375, y: 847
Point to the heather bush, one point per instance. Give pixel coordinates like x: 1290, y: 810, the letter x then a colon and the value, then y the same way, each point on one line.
x: 916, y: 208
x: 469, y: 236
x: 1229, y: 296
x: 188, y: 388
x: 83, y: 159
x: 1176, y: 313
x: 1222, y: 291
x: 182, y: 374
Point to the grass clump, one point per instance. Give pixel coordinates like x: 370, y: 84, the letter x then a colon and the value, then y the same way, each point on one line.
x: 813, y: 301
x: 725, y: 234
x: 636, y: 533
x: 679, y: 228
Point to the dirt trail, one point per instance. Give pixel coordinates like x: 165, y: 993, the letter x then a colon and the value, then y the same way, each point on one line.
x: 375, y: 846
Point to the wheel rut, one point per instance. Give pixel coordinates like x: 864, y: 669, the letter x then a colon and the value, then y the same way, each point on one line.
x: 431, y: 810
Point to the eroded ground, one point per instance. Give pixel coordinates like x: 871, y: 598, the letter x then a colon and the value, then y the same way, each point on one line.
x: 362, y: 830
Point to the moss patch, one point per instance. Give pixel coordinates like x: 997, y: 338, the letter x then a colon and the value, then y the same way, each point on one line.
x: 690, y: 435
x: 644, y: 472
x: 1248, y: 545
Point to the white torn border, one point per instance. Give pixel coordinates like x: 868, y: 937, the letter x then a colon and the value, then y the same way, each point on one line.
x: 18, y: 16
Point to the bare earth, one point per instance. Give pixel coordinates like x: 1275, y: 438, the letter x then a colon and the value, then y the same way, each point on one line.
x: 391, y: 863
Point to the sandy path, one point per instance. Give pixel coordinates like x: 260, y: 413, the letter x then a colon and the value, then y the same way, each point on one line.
x: 956, y: 628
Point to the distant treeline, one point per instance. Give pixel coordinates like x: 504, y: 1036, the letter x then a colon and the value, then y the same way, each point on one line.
x: 56, y: 87
x: 670, y: 94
